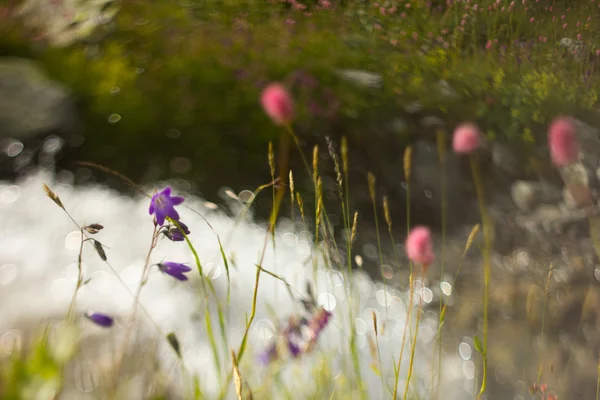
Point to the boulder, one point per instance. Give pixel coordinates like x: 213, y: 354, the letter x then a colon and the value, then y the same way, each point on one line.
x: 30, y: 103
x: 528, y: 195
x: 360, y: 78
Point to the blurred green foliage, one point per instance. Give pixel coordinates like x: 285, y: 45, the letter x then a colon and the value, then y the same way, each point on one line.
x: 185, y: 77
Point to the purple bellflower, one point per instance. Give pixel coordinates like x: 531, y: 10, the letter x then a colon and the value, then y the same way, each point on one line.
x: 163, y: 205
x: 102, y: 320
x: 176, y: 270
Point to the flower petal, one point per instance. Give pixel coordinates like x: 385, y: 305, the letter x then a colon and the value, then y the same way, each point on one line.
x: 166, y: 192
x: 180, y: 276
x: 152, y: 206
x: 177, y: 200
x: 160, y: 215
x: 171, y: 213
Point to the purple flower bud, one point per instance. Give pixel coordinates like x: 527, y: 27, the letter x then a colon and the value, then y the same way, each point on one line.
x: 176, y: 270
x: 163, y: 205
x: 175, y: 234
x: 102, y: 320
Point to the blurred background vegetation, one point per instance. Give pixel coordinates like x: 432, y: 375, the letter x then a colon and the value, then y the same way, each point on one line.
x: 170, y: 88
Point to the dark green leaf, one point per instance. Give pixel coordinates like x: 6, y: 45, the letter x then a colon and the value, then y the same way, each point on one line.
x: 174, y: 342
x: 477, y: 344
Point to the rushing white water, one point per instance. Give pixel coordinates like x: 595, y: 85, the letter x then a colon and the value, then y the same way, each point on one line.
x: 39, y: 245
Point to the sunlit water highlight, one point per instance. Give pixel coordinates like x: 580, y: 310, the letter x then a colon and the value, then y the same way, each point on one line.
x: 38, y: 272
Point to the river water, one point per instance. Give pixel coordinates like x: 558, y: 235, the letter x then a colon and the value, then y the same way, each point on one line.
x: 39, y: 245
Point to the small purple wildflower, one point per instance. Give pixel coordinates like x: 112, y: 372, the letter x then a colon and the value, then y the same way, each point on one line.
x: 320, y: 321
x: 301, y: 333
x: 174, y: 233
x: 176, y: 270
x: 163, y: 205
x: 102, y: 320
x: 293, y: 348
x: 292, y: 335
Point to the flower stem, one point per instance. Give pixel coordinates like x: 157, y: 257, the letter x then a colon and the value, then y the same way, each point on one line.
x: 598, y: 380
x: 414, y: 344
x: 353, y: 352
x: 441, y: 145
x: 486, y: 224
x: 79, y: 278
x: 136, y: 300
x: 410, y: 276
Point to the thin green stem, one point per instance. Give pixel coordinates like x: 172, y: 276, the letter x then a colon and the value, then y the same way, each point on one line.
x: 442, y: 155
x: 379, y: 248
x: 252, y: 314
x: 414, y: 344
x: 274, y: 213
x: 598, y: 380
x: 272, y: 220
x: 380, y: 364
x: 486, y: 264
x: 411, y: 295
x: 79, y: 278
x: 136, y: 300
x: 348, y: 259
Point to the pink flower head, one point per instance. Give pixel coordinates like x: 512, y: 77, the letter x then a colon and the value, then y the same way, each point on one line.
x: 277, y: 103
x: 562, y: 143
x: 418, y: 245
x: 466, y: 138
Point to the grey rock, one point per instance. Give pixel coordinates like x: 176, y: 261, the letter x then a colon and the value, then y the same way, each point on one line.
x: 550, y: 220
x: 529, y: 195
x: 522, y: 195
x: 362, y: 78
x: 504, y: 159
x: 66, y: 22
x: 30, y: 103
x: 432, y: 122
x: 582, y: 176
x: 398, y: 125
x: 568, y: 202
x: 413, y: 107
x: 447, y: 90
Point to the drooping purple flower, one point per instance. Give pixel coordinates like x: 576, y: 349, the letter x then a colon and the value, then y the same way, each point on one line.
x: 176, y: 270
x: 163, y: 205
x: 292, y: 335
x: 175, y: 234
x: 99, y: 319
x: 293, y: 347
x: 317, y: 323
x: 320, y: 320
